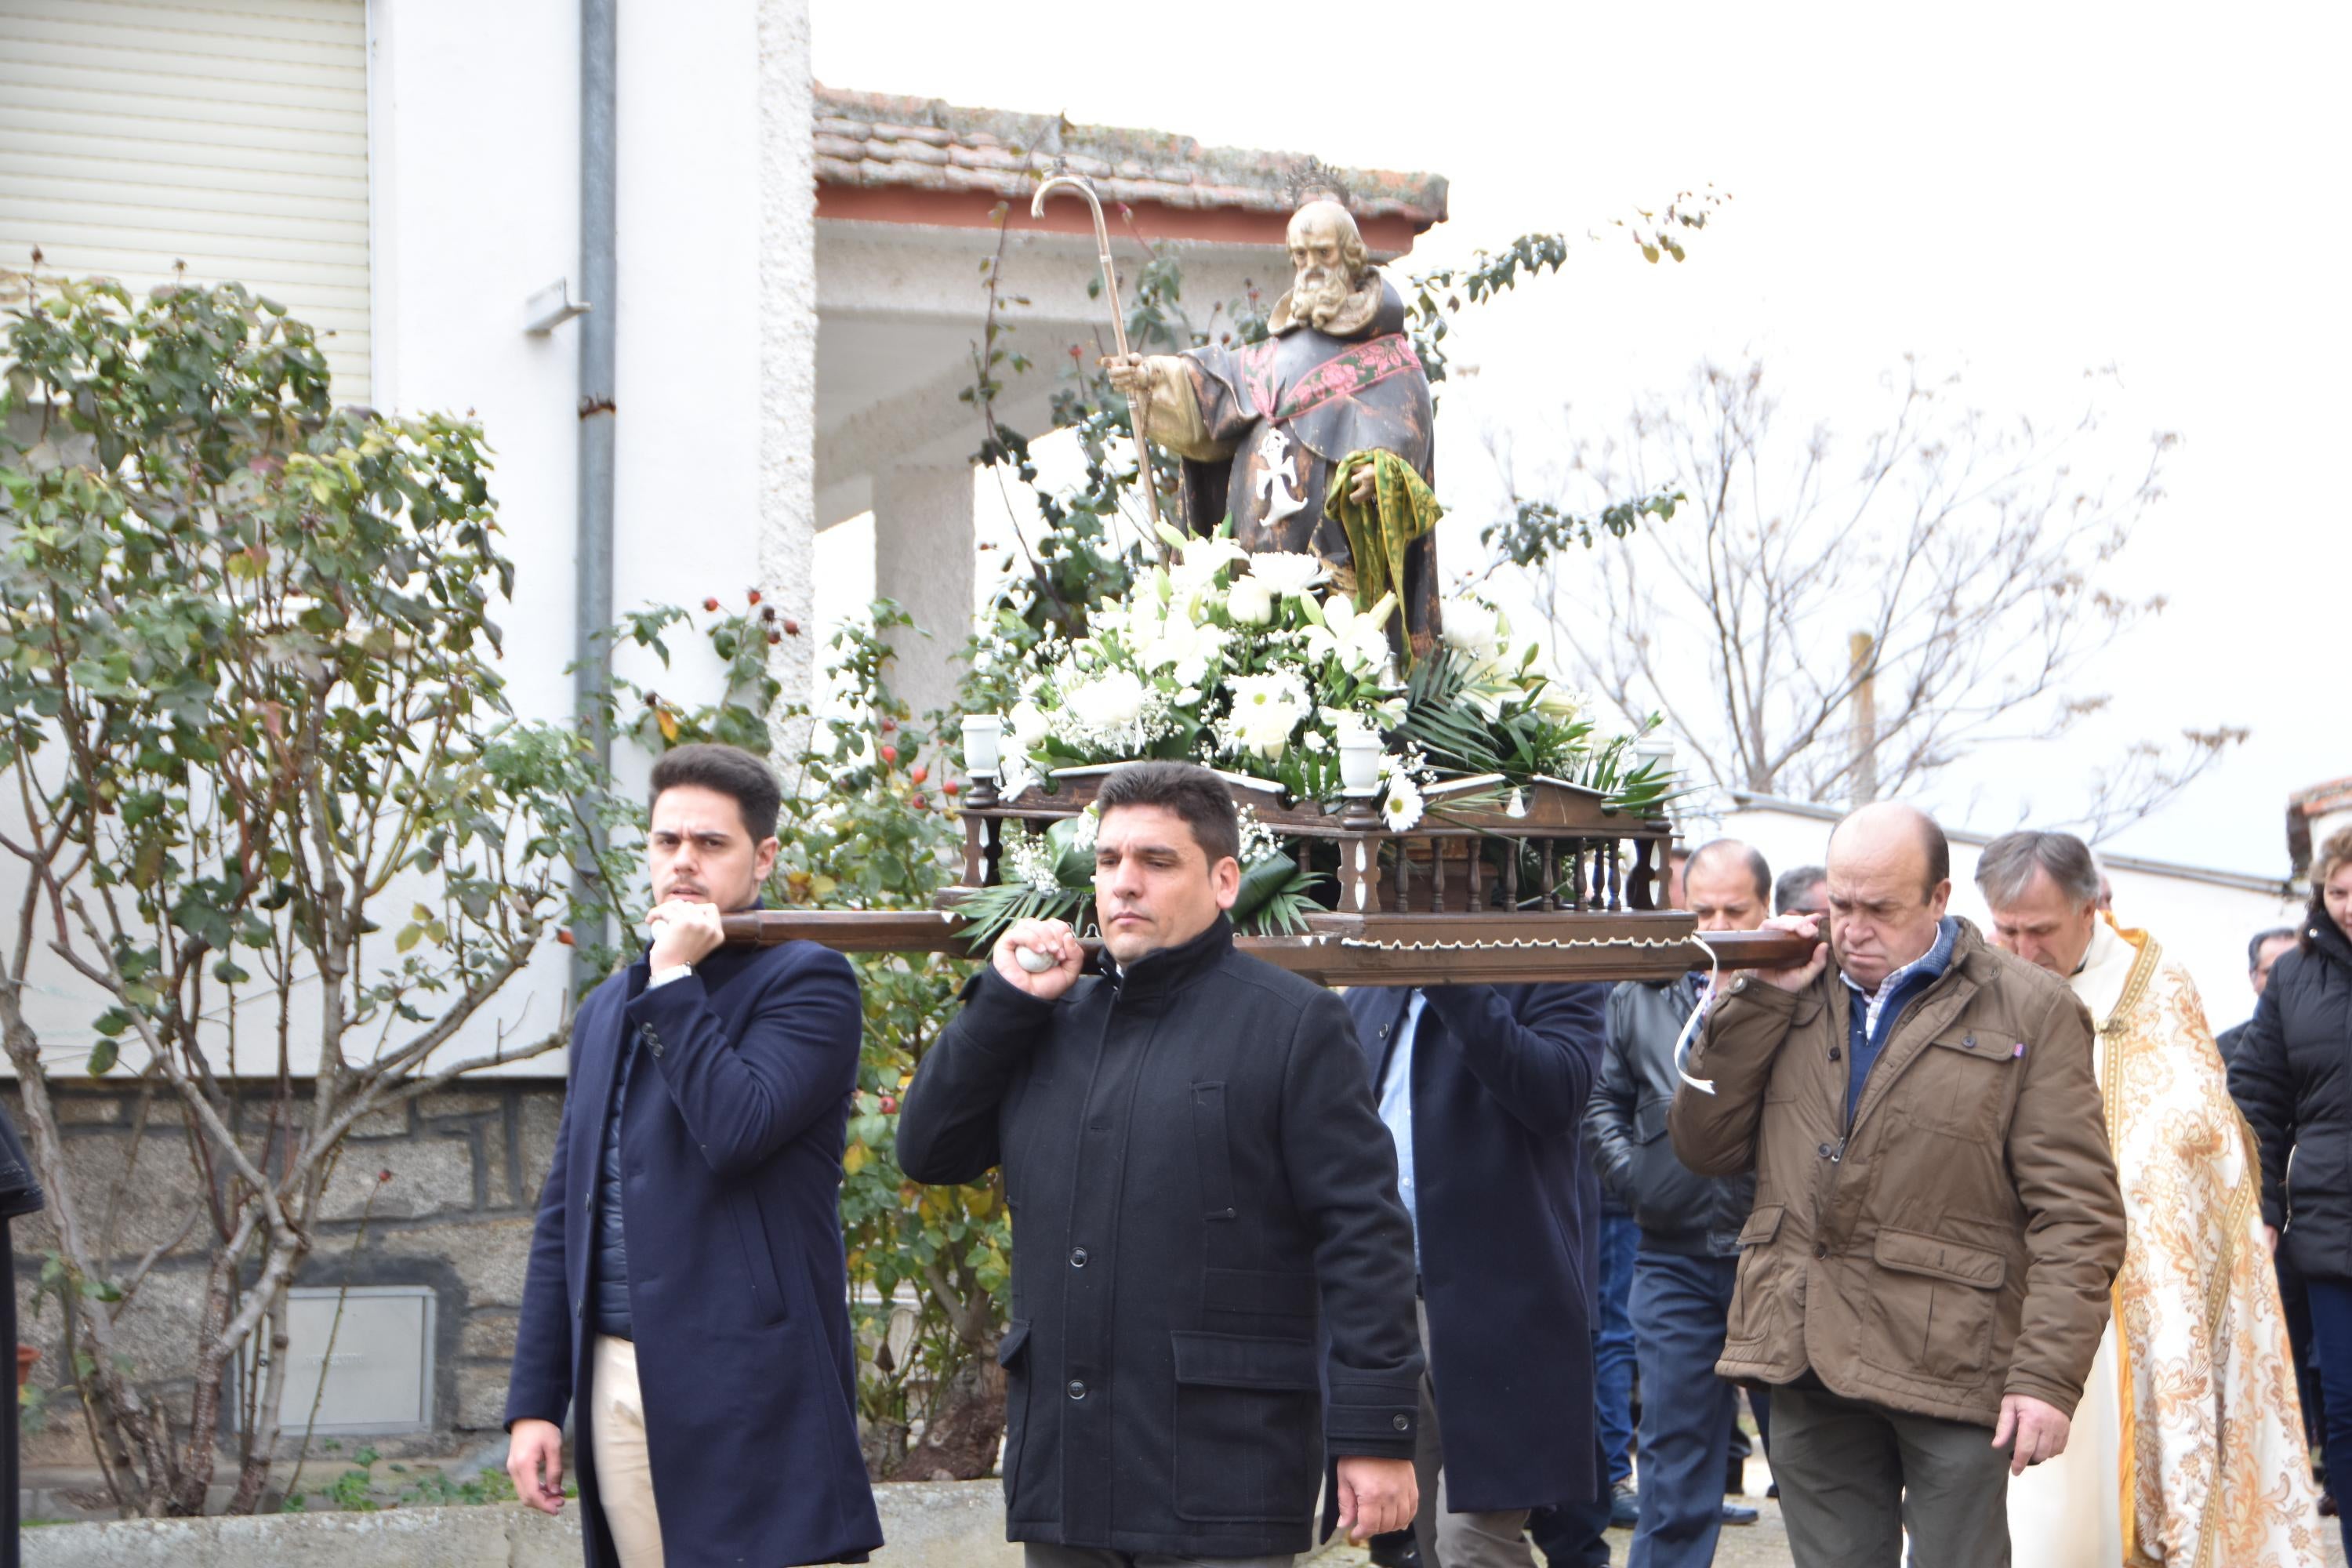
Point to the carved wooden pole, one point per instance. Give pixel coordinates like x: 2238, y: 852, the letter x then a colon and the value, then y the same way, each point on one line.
x: 1119, y: 334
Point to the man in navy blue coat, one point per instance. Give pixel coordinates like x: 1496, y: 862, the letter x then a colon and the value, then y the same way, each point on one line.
x: 687, y: 1297
x: 1483, y: 1088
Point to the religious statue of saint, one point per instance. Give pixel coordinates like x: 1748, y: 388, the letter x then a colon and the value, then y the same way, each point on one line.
x: 1262, y: 428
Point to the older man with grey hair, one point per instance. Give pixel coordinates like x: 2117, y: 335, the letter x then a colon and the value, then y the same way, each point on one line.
x: 1924, y: 1281
x: 2205, y: 1457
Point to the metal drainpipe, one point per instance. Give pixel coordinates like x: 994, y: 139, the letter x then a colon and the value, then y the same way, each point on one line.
x: 599, y: 207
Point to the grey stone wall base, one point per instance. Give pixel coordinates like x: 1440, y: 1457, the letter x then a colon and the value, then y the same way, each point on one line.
x: 929, y: 1524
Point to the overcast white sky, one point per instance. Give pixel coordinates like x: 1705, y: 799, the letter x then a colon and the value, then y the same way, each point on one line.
x: 2022, y: 192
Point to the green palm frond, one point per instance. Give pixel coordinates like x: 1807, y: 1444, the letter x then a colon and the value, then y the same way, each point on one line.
x: 988, y: 912
x: 1440, y: 719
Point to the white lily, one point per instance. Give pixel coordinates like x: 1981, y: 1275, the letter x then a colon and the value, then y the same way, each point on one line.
x: 1354, y: 638
x: 1266, y: 709
x: 1286, y: 572
x: 1203, y: 559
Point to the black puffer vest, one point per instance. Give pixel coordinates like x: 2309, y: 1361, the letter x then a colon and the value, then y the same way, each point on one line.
x: 608, y: 1277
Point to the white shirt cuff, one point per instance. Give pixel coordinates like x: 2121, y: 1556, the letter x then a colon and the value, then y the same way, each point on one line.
x: 664, y: 976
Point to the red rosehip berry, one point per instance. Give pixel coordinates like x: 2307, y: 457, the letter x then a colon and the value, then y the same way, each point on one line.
x: 889, y: 1104
x: 950, y: 786
x: 890, y: 756
x: 917, y: 774
x: 711, y: 604
x: 792, y: 627
x: 564, y: 937
x: 919, y: 803
x: 753, y: 595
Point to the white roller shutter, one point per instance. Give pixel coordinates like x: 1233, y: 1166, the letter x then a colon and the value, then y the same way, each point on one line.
x: 231, y: 135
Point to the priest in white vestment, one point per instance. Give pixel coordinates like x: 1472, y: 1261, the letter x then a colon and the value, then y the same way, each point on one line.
x: 2188, y: 1446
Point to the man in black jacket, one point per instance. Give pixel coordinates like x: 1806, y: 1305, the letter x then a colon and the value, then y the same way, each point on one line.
x: 1197, y: 1176
x: 1482, y: 1087
x: 1683, y: 1271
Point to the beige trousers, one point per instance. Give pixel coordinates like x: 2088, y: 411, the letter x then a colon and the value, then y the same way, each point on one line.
x: 616, y: 1438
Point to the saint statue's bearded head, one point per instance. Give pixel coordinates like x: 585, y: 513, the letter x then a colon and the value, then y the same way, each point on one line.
x: 1329, y: 267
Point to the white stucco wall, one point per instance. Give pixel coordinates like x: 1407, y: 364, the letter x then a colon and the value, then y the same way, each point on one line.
x: 478, y: 201
x: 474, y: 175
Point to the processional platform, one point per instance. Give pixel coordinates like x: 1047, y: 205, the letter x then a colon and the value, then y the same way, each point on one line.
x: 1494, y: 885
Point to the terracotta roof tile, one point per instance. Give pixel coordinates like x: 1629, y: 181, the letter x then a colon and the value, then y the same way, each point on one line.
x: 876, y: 139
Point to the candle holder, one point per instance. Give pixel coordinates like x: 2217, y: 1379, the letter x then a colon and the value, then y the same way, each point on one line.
x: 983, y: 753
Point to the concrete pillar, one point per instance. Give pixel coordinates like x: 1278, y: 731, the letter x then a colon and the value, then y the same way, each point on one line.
x: 787, y: 325
x: 923, y: 558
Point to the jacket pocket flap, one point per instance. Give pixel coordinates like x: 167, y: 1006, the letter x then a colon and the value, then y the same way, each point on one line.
x: 1983, y: 1047
x: 1762, y: 1224
x: 1649, y: 1120
x: 1910, y: 1253
x: 1016, y: 1334
x: 1235, y: 1361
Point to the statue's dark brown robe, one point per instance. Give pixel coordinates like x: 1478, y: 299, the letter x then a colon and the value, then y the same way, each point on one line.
x: 1289, y: 409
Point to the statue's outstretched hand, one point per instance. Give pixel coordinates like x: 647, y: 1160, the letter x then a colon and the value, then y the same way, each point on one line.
x: 1131, y: 375
x: 1365, y: 485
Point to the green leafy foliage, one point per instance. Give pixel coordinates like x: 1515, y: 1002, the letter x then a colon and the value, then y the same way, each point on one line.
x: 249, y: 706
x: 1537, y: 530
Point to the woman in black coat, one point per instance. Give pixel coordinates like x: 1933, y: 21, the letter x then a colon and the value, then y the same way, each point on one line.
x: 2292, y: 1077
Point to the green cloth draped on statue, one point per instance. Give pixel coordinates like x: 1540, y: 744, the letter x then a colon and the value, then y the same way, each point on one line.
x: 1381, y: 532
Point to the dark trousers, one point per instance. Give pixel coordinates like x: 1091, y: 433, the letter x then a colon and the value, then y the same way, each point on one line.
x: 2296, y: 1305
x: 1572, y: 1534
x: 1612, y: 1348
x: 1034, y: 1554
x: 1854, y: 1477
x: 1679, y: 1305
x: 2331, y: 1335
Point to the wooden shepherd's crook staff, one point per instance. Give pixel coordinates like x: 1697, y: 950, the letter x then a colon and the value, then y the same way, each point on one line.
x: 1118, y: 331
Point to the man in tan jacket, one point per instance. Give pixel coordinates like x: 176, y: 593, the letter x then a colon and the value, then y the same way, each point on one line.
x: 1925, y: 1279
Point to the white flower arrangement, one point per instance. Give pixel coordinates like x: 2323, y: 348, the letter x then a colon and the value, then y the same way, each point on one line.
x: 1233, y: 661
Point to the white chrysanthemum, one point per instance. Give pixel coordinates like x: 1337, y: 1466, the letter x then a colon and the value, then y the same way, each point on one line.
x: 1286, y: 572
x: 1111, y: 701
x: 1474, y: 629
x: 1266, y: 709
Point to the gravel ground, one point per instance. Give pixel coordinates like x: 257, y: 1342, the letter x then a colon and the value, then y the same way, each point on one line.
x: 1764, y: 1544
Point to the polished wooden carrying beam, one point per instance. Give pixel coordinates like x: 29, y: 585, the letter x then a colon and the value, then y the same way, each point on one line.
x: 1361, y: 950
